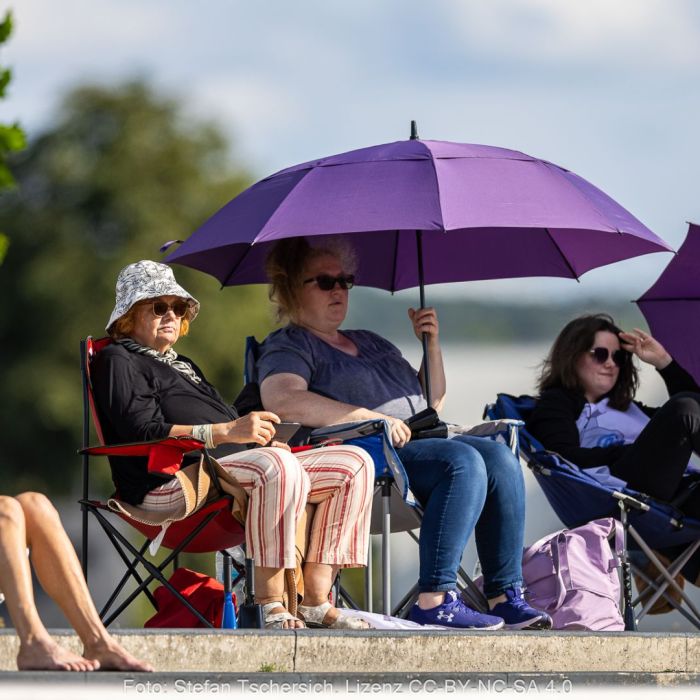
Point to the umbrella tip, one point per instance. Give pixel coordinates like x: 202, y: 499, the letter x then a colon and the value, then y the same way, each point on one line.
x: 167, y: 245
x: 414, y: 130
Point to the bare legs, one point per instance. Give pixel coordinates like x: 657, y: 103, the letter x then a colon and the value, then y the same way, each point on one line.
x: 30, y: 521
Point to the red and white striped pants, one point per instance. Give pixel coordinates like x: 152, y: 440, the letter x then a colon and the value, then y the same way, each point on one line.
x: 279, y: 484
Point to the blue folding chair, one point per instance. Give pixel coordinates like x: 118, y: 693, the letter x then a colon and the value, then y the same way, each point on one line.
x: 579, y: 496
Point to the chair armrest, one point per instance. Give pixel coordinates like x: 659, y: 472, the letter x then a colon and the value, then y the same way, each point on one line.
x: 489, y: 427
x: 164, y: 456
x: 340, y: 432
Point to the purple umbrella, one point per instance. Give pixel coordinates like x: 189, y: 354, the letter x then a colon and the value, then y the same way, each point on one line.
x: 671, y: 305
x: 424, y: 212
x: 484, y: 213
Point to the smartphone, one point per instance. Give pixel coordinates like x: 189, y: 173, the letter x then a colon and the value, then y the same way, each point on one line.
x: 284, y: 432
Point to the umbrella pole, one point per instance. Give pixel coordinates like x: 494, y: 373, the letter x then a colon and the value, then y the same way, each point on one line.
x: 424, y: 339
x: 421, y: 283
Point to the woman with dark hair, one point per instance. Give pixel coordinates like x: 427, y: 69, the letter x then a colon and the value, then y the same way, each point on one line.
x: 586, y: 410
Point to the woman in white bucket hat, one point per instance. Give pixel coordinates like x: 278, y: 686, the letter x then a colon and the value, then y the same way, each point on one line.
x: 144, y: 390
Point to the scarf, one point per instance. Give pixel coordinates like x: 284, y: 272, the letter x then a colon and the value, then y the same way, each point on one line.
x: 169, y: 357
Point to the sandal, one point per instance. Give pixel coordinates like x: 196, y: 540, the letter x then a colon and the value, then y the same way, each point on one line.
x: 314, y: 616
x: 276, y: 620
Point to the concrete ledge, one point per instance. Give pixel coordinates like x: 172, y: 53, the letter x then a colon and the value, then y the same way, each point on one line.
x: 375, y: 652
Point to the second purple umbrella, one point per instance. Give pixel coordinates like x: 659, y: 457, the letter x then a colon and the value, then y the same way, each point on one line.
x: 672, y: 303
x: 477, y: 212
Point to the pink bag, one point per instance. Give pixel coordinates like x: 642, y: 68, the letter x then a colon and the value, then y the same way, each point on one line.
x: 572, y: 574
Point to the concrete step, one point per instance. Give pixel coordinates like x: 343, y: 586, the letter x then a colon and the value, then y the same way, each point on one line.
x: 663, y: 655
x: 56, y: 686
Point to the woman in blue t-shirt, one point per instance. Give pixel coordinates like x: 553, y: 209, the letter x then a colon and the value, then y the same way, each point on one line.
x: 312, y: 372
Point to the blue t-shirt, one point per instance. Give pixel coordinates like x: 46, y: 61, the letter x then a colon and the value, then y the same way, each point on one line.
x: 379, y: 378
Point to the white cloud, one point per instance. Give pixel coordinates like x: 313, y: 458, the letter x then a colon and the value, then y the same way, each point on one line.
x: 655, y: 33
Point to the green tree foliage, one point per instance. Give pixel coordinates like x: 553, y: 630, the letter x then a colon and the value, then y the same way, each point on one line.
x: 11, y: 135
x: 120, y: 172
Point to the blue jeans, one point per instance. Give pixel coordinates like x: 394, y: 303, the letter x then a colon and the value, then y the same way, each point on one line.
x: 465, y: 484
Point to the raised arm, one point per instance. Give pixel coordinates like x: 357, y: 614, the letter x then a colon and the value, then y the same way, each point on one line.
x: 426, y: 321
x: 651, y: 351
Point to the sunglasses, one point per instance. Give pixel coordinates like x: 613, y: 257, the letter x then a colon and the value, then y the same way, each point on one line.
x: 179, y: 308
x: 328, y: 282
x: 601, y: 355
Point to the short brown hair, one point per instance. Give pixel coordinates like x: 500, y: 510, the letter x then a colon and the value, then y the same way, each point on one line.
x: 559, y: 370
x: 285, y: 267
x: 124, y: 326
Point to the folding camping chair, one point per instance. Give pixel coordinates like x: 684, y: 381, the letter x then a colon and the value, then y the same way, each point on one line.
x: 577, y: 496
x: 210, y: 529
x: 394, y: 507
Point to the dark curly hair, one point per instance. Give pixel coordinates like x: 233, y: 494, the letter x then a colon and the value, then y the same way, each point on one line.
x: 559, y: 370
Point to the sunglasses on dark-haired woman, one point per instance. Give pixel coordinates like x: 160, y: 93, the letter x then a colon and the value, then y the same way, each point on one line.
x: 601, y: 355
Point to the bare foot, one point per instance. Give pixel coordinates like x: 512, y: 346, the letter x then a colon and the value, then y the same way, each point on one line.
x: 113, y: 657
x: 46, y: 655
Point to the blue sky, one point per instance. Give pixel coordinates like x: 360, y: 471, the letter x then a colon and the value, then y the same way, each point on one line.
x: 610, y: 90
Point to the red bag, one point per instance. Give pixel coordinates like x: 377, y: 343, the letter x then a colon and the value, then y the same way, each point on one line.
x: 204, y: 594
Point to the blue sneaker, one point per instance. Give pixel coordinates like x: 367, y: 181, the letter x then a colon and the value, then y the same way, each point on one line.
x: 518, y: 614
x: 454, y: 613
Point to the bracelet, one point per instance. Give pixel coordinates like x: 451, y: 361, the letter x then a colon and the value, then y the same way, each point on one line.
x: 205, y: 434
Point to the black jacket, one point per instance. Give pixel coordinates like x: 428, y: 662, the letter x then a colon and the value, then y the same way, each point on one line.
x: 138, y: 399
x: 553, y: 421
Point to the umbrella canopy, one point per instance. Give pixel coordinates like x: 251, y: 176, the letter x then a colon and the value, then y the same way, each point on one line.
x: 671, y: 305
x: 483, y: 213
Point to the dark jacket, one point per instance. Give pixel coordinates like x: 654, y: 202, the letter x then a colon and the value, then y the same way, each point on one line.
x: 138, y: 399
x: 553, y: 421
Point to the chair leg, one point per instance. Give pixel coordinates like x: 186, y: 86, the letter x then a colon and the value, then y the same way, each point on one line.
x: 344, y: 597
x: 84, y: 541
x: 386, y: 546
x: 131, y: 571
x: 406, y: 603
x: 660, y: 589
x: 155, y: 572
x: 369, y: 604
x: 668, y: 576
x: 628, y: 608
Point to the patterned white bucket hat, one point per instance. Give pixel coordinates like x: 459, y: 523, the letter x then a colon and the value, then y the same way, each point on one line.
x: 147, y: 280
